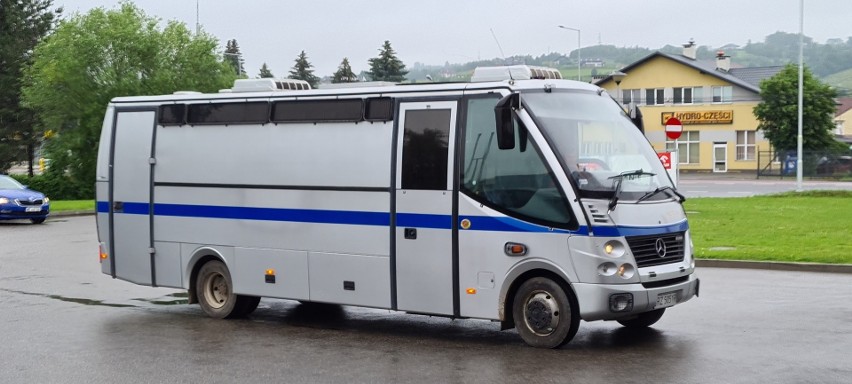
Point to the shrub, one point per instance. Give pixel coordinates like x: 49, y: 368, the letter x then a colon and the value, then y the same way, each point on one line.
x: 58, y: 186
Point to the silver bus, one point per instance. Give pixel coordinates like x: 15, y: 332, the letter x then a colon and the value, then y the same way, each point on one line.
x: 517, y: 197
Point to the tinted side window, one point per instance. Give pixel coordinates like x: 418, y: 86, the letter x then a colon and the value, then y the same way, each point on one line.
x: 425, y: 149
x: 172, y: 114
x: 515, y: 182
x: 228, y: 113
x: 317, y: 110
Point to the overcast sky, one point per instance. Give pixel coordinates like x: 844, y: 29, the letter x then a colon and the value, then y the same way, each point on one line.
x: 458, y: 31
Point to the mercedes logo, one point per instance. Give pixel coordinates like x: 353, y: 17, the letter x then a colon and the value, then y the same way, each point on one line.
x: 661, y: 247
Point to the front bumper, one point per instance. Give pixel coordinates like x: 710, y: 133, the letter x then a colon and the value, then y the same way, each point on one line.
x: 595, y: 304
x: 16, y: 212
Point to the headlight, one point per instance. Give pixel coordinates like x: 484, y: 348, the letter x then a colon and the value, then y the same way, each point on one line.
x: 46, y: 200
x: 614, y: 248
x: 4, y: 200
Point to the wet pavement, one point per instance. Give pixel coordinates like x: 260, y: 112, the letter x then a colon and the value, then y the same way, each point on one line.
x: 61, y: 321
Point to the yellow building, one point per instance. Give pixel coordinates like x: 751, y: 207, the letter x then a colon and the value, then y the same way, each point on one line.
x: 843, y: 121
x: 713, y: 101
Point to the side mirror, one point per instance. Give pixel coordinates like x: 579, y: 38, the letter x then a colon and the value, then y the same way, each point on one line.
x: 636, y: 118
x: 505, y: 120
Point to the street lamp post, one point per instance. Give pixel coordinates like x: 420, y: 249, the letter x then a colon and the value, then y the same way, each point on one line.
x: 578, y: 48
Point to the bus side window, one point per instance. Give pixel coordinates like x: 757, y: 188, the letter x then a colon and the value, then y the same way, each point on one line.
x: 511, y: 180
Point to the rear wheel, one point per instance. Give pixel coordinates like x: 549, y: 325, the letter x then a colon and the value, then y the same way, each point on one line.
x: 546, y: 316
x: 216, y: 293
x: 644, y: 320
x: 38, y: 221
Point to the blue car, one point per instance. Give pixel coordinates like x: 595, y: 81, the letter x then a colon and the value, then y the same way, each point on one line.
x: 19, y: 202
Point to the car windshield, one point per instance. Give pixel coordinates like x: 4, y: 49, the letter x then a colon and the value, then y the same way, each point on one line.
x: 604, y: 152
x: 7, y: 182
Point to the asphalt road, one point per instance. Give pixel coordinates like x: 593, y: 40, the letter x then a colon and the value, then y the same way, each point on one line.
x: 61, y: 321
x: 722, y: 186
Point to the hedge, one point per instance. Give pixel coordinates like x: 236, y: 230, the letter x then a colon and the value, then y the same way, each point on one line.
x: 58, y: 187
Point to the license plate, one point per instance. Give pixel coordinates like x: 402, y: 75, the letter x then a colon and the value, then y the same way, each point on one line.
x: 33, y: 209
x: 666, y: 299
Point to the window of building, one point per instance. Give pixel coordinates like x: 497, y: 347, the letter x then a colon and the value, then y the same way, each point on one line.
x: 687, y: 95
x: 723, y: 94
x: 746, y: 145
x: 631, y: 96
x: 655, y: 96
x: 687, y: 147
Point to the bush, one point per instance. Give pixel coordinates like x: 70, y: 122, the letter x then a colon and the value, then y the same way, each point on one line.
x: 58, y: 187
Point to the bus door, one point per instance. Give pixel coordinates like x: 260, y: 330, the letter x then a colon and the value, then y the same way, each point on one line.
x: 130, y: 203
x: 424, y: 207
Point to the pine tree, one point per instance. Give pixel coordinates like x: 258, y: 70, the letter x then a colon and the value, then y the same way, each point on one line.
x: 23, y: 24
x: 302, y: 70
x: 265, y: 72
x: 387, y: 67
x: 344, y: 73
x: 235, y: 57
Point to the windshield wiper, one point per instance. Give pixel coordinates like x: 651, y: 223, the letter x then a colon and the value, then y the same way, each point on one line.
x: 648, y: 195
x: 619, y: 178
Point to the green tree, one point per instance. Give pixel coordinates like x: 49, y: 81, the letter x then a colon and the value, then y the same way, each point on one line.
x: 94, y: 57
x: 344, y: 73
x: 302, y: 70
x: 386, y: 66
x: 265, y: 72
x: 23, y: 23
x: 777, y: 113
x: 234, y: 57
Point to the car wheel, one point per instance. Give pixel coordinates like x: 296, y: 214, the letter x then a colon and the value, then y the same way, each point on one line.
x: 546, y: 315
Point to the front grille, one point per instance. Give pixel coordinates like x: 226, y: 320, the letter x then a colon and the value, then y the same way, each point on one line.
x: 28, y: 203
x: 644, y: 249
x: 664, y: 283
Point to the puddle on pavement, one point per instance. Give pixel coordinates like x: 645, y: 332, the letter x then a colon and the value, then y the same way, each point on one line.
x: 184, y: 299
x: 71, y: 299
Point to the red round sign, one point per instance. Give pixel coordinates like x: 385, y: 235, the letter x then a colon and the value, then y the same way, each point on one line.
x: 673, y: 128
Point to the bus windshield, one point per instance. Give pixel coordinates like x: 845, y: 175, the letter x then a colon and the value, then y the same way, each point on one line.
x: 604, y: 152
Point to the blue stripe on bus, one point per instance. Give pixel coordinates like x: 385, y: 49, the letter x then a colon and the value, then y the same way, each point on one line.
x: 418, y: 220
x: 640, y: 231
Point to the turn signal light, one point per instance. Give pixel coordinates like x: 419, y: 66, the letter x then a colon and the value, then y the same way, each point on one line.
x: 471, y: 291
x: 102, y: 252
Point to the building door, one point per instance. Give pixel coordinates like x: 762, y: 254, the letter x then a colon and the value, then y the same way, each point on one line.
x: 130, y: 206
x: 424, y: 207
x: 720, y: 157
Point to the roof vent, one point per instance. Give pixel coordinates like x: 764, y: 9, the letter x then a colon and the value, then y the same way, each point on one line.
x: 723, y: 61
x: 513, y: 72
x: 269, y: 85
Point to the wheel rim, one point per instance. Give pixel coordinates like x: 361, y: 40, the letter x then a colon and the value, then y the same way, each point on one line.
x: 216, y: 290
x: 541, y: 313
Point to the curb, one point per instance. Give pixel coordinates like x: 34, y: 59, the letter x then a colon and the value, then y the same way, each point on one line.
x: 704, y: 263
x: 71, y: 213
x: 775, y: 266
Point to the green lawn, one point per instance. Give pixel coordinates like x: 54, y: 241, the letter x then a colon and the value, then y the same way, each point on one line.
x: 72, y: 205
x: 799, y: 227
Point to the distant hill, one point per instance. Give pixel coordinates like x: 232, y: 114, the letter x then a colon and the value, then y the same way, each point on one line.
x: 831, y: 62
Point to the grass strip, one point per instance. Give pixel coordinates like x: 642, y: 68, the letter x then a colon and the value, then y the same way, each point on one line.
x: 812, y: 226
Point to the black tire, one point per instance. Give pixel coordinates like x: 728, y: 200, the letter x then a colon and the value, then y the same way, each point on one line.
x: 546, y: 315
x: 38, y: 221
x: 644, y: 320
x: 216, y: 293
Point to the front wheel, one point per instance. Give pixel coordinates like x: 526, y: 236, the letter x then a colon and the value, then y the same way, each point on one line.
x: 546, y: 315
x: 216, y: 293
x: 644, y: 320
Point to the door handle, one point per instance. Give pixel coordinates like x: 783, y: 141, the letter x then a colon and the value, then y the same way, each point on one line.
x: 117, y: 206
